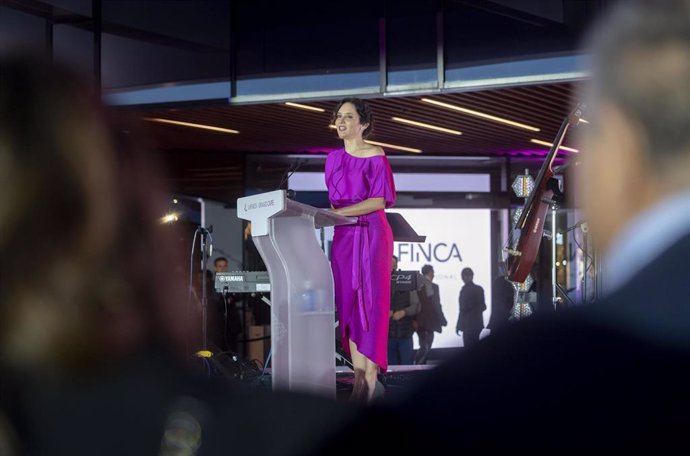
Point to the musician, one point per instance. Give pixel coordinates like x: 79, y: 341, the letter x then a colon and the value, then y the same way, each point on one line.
x: 472, y: 307
x: 220, y: 264
x: 360, y: 184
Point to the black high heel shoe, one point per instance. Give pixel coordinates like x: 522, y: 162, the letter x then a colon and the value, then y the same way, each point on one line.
x: 360, y: 389
x: 379, y: 391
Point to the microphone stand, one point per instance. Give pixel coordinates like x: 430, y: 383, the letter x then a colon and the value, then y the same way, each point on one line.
x: 204, y: 235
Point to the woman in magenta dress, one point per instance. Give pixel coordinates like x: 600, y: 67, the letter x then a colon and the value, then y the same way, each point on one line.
x: 360, y: 184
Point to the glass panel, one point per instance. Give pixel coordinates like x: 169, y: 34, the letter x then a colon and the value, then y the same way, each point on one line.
x: 74, y: 47
x: 493, y: 36
x: 152, y: 42
x: 411, y: 43
x: 83, y: 7
x: 276, y: 40
x: 21, y: 30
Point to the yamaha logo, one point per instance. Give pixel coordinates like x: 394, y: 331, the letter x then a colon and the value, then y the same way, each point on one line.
x: 233, y: 279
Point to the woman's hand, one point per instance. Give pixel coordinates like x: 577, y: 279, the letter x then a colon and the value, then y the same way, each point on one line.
x: 362, y: 208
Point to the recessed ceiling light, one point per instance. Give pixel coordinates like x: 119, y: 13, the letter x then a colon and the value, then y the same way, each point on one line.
x: 303, y: 106
x: 426, y: 125
x: 548, y: 144
x: 191, y: 125
x: 480, y: 114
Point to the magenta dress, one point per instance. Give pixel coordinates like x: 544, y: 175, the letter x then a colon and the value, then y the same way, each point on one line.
x: 361, y: 254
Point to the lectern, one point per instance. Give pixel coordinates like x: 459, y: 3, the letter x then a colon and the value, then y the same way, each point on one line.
x: 302, y: 300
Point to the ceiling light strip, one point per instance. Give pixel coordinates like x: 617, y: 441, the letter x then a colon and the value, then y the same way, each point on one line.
x: 191, y: 125
x: 548, y: 144
x: 480, y: 114
x: 426, y: 125
x: 393, y: 146
x: 303, y: 106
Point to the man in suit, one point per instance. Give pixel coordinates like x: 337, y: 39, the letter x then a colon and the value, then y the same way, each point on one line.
x: 472, y: 307
x: 613, y: 375
x: 430, y: 318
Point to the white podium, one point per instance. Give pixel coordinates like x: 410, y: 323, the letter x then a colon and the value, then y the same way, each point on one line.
x: 302, y: 300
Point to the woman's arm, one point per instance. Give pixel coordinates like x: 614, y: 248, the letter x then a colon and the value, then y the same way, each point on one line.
x: 363, y: 207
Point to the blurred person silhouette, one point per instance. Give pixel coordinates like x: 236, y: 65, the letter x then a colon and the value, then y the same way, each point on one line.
x: 472, y: 306
x: 502, y: 300
x: 90, y: 343
x: 430, y: 318
x: 611, y: 376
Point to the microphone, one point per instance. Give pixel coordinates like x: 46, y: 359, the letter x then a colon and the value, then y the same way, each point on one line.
x: 206, y: 243
x: 288, y: 173
x: 582, y: 224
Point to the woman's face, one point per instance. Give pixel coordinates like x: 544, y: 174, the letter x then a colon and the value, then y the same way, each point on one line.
x: 347, y: 122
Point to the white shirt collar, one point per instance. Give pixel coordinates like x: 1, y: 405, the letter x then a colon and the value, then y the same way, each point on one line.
x: 645, y: 238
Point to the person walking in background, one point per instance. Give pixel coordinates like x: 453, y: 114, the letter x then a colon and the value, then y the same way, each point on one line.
x: 430, y: 318
x: 472, y: 307
x: 502, y: 300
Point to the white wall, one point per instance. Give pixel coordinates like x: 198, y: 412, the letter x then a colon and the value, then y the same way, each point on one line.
x: 456, y: 239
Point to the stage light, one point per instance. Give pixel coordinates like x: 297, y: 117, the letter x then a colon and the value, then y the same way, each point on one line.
x: 170, y: 218
x: 472, y: 112
x: 191, y: 125
x: 548, y: 144
x: 303, y: 106
x: 426, y: 125
x: 174, y: 200
x: 525, y: 286
x: 523, y: 185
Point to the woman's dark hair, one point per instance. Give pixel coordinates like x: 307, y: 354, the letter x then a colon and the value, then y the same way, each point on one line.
x: 366, y: 116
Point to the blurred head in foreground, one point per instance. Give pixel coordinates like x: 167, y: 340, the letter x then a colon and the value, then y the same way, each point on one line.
x: 636, y: 146
x: 81, y: 250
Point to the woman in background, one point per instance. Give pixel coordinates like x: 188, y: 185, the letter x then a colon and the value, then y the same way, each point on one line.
x: 360, y: 184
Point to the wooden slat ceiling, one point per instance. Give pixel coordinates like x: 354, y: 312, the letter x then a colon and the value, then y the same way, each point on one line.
x: 281, y: 128
x: 208, y: 164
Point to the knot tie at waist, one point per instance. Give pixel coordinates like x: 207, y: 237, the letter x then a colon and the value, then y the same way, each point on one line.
x: 361, y: 268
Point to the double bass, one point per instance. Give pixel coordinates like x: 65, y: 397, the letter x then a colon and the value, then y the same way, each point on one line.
x: 521, y: 258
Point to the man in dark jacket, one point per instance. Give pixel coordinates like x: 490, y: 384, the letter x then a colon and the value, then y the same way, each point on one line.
x: 430, y: 318
x: 472, y: 307
x: 404, y: 306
